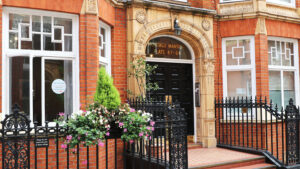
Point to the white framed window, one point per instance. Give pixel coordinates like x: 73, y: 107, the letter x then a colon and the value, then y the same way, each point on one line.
x: 40, y: 63
x: 228, y: 1
x: 238, y: 55
x: 283, y: 70
x: 290, y: 3
x: 105, y: 46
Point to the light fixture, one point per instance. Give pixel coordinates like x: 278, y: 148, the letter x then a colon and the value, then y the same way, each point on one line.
x: 177, y: 27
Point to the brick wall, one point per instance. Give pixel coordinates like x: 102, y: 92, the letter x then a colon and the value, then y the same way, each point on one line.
x: 88, y: 57
x: 207, y: 4
x: 119, y: 61
x: 40, y: 156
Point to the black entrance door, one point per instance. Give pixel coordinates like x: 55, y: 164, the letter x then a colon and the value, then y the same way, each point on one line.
x: 176, y: 80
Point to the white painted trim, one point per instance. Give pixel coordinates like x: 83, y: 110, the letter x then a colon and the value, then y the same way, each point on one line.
x: 192, y: 61
x: 278, y: 2
x: 61, y: 55
x: 107, y: 60
x: 250, y: 67
x: 294, y: 68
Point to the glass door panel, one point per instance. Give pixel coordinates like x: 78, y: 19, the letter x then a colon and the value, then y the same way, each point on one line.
x: 19, y: 83
x: 58, y: 88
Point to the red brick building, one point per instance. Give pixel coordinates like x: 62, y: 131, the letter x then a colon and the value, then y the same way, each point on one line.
x: 52, y: 50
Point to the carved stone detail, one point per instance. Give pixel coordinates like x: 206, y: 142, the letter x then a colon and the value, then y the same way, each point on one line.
x: 261, y: 26
x: 141, y: 16
x: 91, y: 7
x: 209, y: 66
x: 206, y: 25
x: 282, y: 11
x: 236, y: 9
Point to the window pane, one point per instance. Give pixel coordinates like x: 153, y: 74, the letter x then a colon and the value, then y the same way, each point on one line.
x: 47, y: 24
x: 58, y: 74
x: 48, y: 45
x: 36, y: 23
x: 68, y: 43
x: 35, y: 44
x: 66, y: 23
x: 57, y: 34
x: 19, y: 83
x: 15, y: 19
x: 166, y: 47
x: 37, y: 88
x: 103, y: 34
x: 275, y: 87
x: 288, y: 87
x: 24, y: 31
x: 238, y: 52
x: 239, y: 83
x: 13, y: 40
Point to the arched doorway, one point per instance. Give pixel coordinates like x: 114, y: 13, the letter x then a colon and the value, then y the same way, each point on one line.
x: 174, y: 73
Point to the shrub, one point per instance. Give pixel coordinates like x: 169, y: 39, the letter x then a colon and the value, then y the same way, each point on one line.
x: 106, y: 93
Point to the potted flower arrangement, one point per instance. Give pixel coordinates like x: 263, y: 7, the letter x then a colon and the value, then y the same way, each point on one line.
x: 106, y: 116
x: 134, y: 124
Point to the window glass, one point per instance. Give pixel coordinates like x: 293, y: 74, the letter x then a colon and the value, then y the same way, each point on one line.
x: 53, y: 35
x: 105, y: 46
x: 238, y: 67
x: 282, y: 71
x: 275, y: 87
x: 166, y: 47
x: 238, y: 52
x: 19, y: 83
x: 239, y: 83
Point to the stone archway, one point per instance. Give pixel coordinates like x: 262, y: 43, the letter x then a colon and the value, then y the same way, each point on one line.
x: 200, y: 39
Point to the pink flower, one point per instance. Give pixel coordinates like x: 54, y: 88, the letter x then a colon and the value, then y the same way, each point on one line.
x: 69, y: 137
x: 132, y: 110
x: 125, y: 130
x: 121, y: 124
x: 83, y: 142
x: 74, y: 150
x: 107, y: 134
x: 61, y: 114
x: 131, y: 141
x: 141, y: 134
x: 84, y: 162
x: 149, y: 137
x: 64, y: 146
x: 86, y: 133
x: 152, y: 128
x: 100, y: 143
x: 148, y: 128
x: 152, y: 123
x: 78, y: 137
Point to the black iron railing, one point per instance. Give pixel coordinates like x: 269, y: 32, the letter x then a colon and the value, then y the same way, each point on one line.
x: 168, y: 146
x: 253, y: 124
x: 25, y: 146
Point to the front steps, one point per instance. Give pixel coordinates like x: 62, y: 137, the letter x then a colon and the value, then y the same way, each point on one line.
x: 220, y: 158
x: 250, y: 163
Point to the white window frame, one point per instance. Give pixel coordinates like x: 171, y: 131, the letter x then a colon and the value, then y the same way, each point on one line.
x: 228, y: 68
x: 105, y: 60
x: 222, y: 1
x: 44, y: 54
x: 278, y: 2
x: 294, y: 68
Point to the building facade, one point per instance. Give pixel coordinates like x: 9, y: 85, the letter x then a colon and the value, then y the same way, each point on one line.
x: 51, y: 51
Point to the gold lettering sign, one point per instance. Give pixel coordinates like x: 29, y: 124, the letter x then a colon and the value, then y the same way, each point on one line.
x: 165, y: 47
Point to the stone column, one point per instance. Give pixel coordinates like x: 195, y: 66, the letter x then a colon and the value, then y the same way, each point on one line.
x: 205, y: 113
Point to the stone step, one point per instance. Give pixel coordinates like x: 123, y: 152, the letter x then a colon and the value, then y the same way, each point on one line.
x: 237, y: 164
x: 258, y: 166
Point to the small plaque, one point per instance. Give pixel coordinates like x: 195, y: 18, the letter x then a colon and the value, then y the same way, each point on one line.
x: 58, y: 86
x: 41, y: 142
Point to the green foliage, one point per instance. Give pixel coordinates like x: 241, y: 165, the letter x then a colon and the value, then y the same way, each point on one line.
x: 87, y: 127
x: 141, y: 72
x: 106, y: 93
